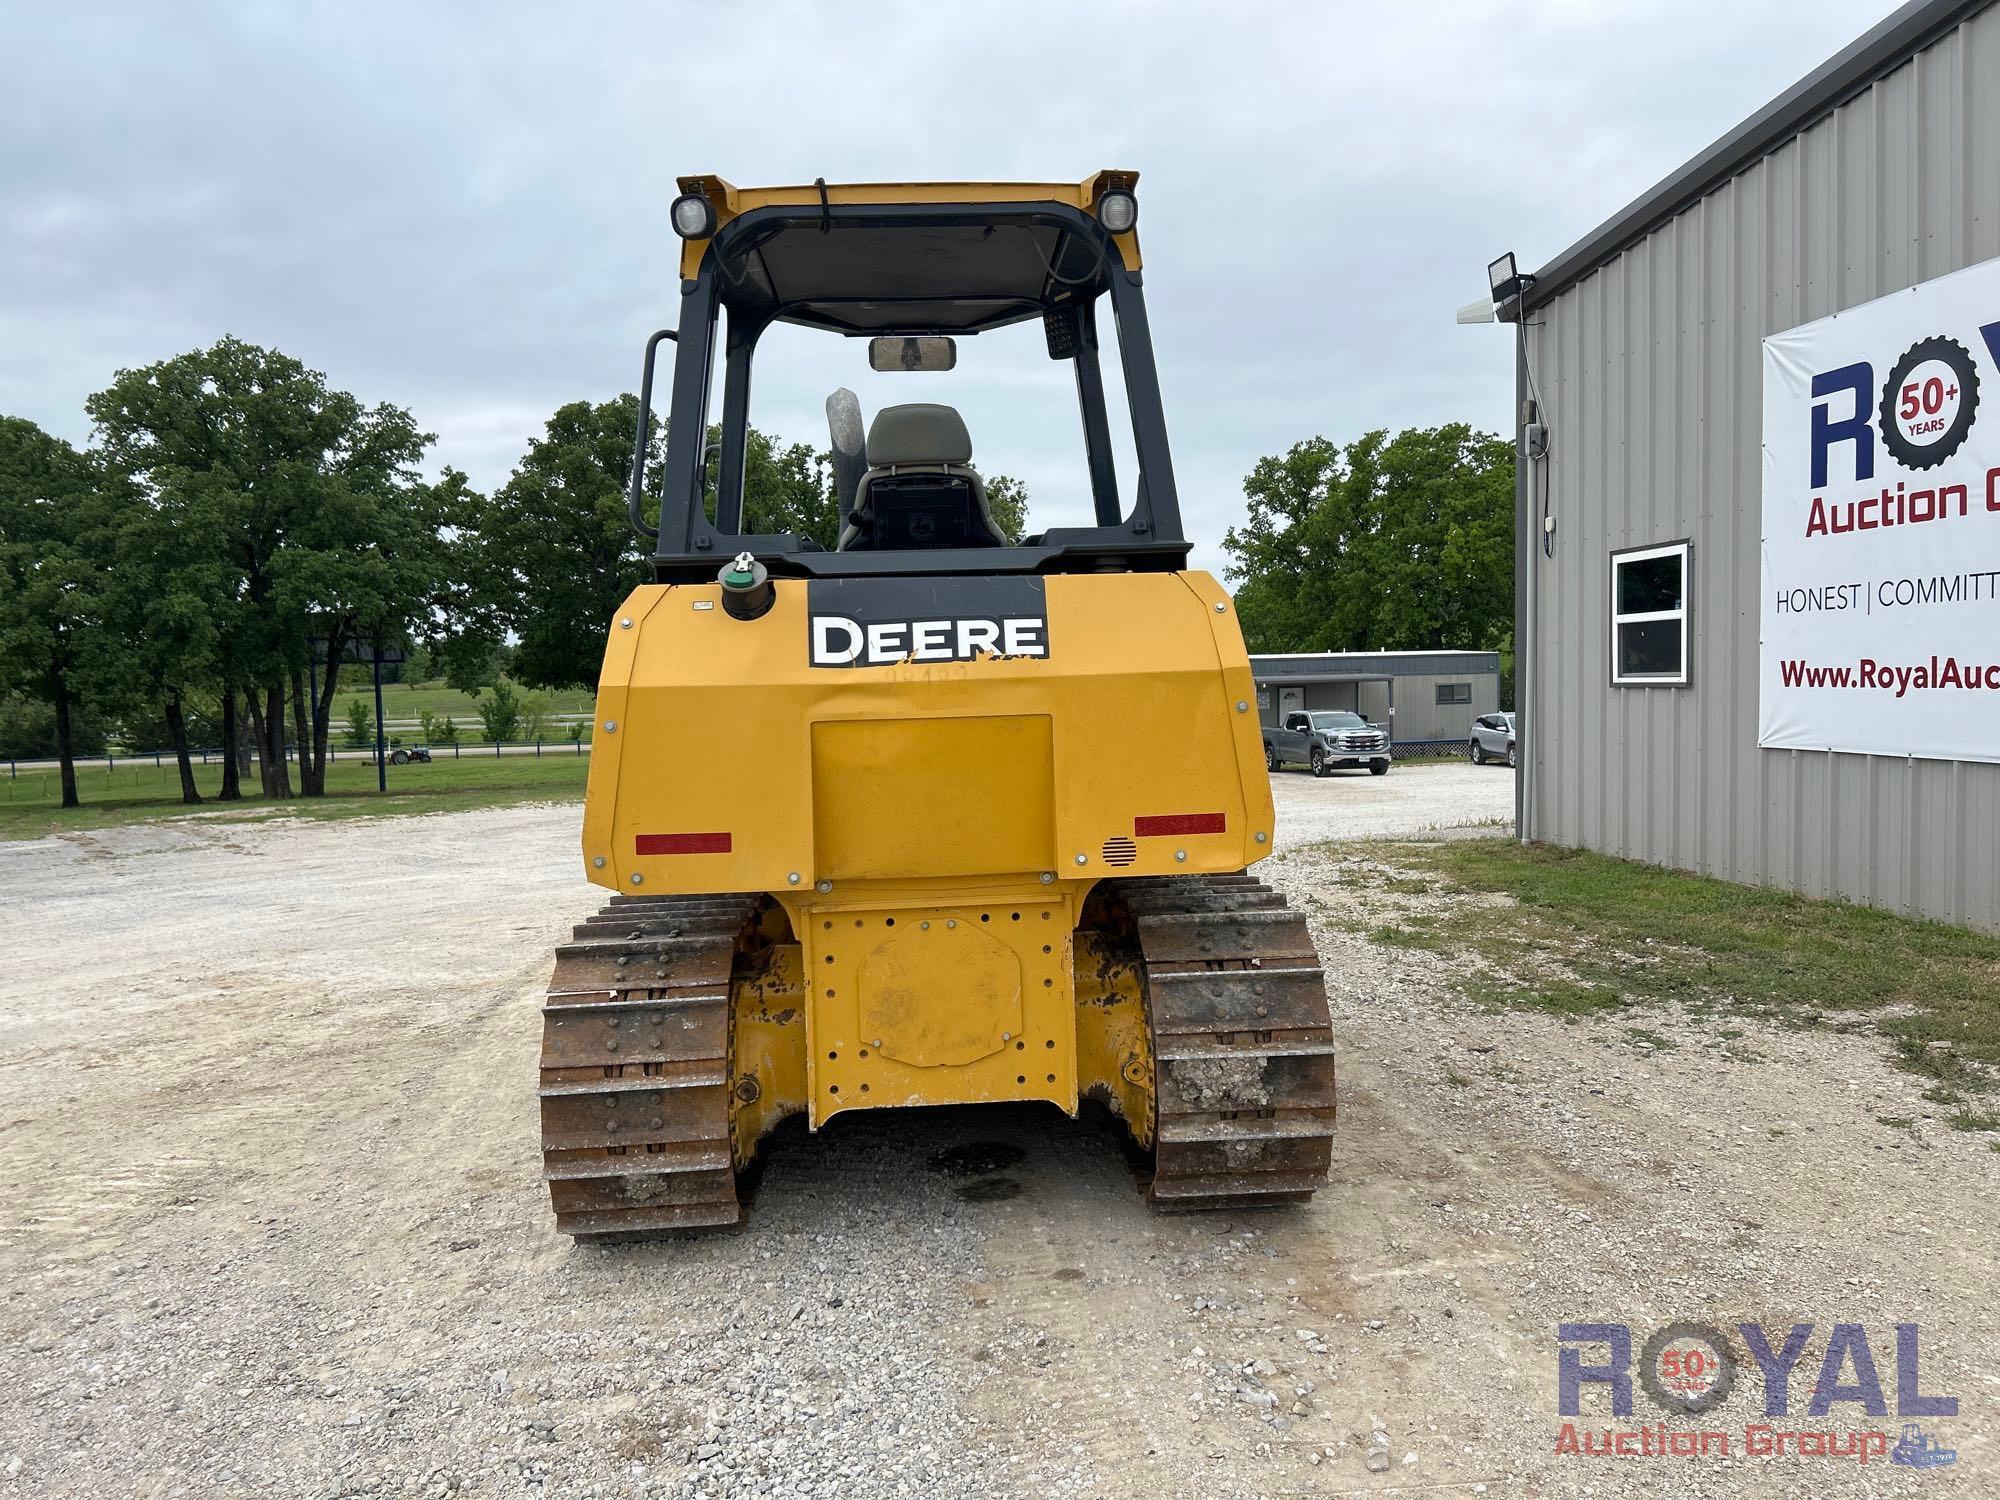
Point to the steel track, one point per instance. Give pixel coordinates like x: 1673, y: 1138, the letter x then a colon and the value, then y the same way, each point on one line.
x: 636, y: 1064
x: 1242, y: 1043
x: 635, y: 1068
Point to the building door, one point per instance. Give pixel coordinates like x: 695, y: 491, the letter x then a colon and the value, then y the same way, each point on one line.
x: 1290, y: 701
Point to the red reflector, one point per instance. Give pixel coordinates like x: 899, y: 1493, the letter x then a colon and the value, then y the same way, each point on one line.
x: 684, y: 843
x: 1168, y: 824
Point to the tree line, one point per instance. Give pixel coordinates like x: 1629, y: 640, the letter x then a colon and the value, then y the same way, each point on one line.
x: 1388, y: 543
x: 236, y: 532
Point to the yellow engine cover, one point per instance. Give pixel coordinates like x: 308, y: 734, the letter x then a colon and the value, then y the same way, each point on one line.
x: 929, y: 775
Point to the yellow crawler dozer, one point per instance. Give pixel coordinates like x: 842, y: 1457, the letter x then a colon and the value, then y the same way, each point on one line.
x: 933, y: 815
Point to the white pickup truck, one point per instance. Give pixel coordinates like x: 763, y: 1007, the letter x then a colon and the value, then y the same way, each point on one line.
x: 1327, y: 740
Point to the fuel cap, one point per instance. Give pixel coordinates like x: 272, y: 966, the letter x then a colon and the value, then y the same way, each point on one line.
x: 746, y: 587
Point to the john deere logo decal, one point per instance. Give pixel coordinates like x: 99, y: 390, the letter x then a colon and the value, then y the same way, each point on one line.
x: 879, y: 622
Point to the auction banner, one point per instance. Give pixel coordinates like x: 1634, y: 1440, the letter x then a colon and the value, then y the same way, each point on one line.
x: 1881, y: 579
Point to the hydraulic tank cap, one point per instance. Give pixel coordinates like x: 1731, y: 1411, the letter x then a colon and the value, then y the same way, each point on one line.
x: 746, y: 588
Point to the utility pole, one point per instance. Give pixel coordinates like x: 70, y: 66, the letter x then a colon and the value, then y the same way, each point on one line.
x: 381, y: 729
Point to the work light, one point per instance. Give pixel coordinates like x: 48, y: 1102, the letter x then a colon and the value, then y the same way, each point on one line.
x: 693, y: 216
x: 1506, y: 280
x: 1117, y: 210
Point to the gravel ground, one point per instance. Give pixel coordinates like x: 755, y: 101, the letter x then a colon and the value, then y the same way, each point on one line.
x: 1420, y: 797
x: 269, y: 1144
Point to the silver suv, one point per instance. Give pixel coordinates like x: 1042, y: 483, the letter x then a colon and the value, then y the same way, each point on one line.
x: 1327, y: 739
x: 1492, y: 739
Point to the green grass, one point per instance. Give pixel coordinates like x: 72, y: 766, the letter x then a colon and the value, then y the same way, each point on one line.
x: 1592, y: 933
x: 1555, y: 995
x: 136, y: 792
x: 407, y: 701
x: 1418, y: 933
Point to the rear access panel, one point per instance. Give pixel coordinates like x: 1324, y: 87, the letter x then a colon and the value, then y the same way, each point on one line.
x: 902, y: 1007
x: 944, y: 1004
x: 908, y: 798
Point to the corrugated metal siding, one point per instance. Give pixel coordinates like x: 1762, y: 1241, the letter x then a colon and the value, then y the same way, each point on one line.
x: 1652, y: 374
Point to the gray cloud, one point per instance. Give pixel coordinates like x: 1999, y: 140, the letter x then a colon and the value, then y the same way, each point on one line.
x: 462, y: 209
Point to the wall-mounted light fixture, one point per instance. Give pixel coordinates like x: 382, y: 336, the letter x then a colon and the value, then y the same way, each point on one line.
x: 1508, y: 282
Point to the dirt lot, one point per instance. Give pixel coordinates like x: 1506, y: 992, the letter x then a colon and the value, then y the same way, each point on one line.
x: 268, y: 1142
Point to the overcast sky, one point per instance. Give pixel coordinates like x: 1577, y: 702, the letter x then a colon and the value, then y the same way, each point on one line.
x: 462, y: 209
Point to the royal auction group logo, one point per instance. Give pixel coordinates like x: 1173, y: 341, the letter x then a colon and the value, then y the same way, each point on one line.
x: 1921, y: 415
x: 1688, y: 1369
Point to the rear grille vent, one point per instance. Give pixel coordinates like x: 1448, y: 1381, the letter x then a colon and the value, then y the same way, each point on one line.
x: 1120, y: 852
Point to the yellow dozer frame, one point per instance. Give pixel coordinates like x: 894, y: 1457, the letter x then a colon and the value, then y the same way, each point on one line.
x: 940, y: 825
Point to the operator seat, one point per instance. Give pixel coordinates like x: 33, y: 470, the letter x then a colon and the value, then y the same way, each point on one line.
x: 920, y: 489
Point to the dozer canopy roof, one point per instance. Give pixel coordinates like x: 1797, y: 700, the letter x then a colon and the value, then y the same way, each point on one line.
x: 907, y: 261
x: 860, y: 272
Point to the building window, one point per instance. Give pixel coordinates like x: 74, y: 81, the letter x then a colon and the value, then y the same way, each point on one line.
x: 1454, y: 692
x: 1649, y: 623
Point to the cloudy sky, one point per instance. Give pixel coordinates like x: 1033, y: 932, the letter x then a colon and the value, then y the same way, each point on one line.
x: 462, y: 209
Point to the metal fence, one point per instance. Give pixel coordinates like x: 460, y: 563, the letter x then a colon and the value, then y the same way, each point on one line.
x: 1402, y: 750
x: 366, y: 754
x: 1428, y: 749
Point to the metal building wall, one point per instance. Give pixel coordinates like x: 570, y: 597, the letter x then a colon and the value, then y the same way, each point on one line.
x: 1651, y: 371
x: 1419, y: 716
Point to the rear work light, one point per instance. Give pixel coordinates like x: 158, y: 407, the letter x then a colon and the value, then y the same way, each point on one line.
x: 1117, y: 210
x: 693, y: 216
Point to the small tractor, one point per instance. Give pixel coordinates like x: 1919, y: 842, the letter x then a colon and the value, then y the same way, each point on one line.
x: 928, y: 816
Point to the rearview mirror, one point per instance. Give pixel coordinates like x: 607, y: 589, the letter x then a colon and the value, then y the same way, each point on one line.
x: 888, y: 355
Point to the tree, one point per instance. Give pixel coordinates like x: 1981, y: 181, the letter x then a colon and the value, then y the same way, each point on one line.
x: 28, y: 729
x: 50, y: 583
x: 322, y: 532
x: 500, y: 714
x: 788, y: 489
x: 1007, y: 499
x: 535, y: 712
x: 1403, y: 543
x: 555, y: 554
x: 360, y: 723
x: 165, y: 570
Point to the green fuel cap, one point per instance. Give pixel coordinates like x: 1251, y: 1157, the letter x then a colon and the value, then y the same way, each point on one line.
x: 746, y: 587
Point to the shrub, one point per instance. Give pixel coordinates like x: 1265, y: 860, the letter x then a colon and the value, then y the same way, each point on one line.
x: 500, y: 713
x: 535, y: 715
x: 360, y: 724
